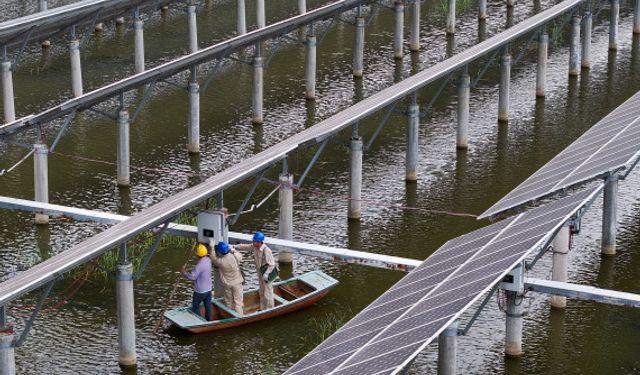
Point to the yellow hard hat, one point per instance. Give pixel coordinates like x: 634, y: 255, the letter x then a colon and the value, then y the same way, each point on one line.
x: 201, y: 250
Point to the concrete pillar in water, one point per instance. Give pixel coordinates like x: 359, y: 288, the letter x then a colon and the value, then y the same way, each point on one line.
x: 511, y: 3
x: 193, y: 134
x: 541, y: 73
x: 193, y: 28
x: 261, y: 18
x: 412, y: 142
x: 241, y: 16
x: 138, y: 28
x: 447, y: 350
x: 302, y: 6
x: 414, y: 45
x: 355, y: 179
x: 7, y: 92
x: 285, y: 223
x: 258, y: 76
x: 609, y: 212
x: 119, y: 21
x: 358, y: 51
x: 513, y: 340
x: 123, y: 148
x: 41, y: 178
x: 464, y: 86
x: 585, y: 61
x: 310, y: 72
x: 76, y: 68
x: 574, y: 54
x: 398, y: 35
x: 636, y: 18
x: 482, y: 9
x: 560, y: 262
x: 126, y: 315
x: 451, y: 17
x: 7, y: 353
x: 613, y: 24
x: 42, y: 5
x: 505, y: 83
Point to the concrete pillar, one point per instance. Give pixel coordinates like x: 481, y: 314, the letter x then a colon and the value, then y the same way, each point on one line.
x: 412, y: 142
x: 447, y: 350
x: 464, y: 87
x: 355, y: 179
x: 193, y: 28
x: 126, y: 315
x: 585, y: 61
x: 285, y: 222
x: 609, y: 212
x: 138, y: 29
x: 613, y: 24
x: 511, y: 3
x: 193, y: 134
x: 302, y: 6
x: 398, y: 35
x: 482, y: 9
x: 505, y: 83
x: 574, y: 54
x: 261, y: 17
x: 7, y: 93
x: 414, y: 45
x: 636, y: 18
x: 560, y: 262
x: 41, y: 178
x: 451, y: 17
x: 42, y: 5
x: 258, y: 76
x: 241, y: 17
x: 513, y: 340
x: 76, y: 68
x: 358, y: 51
x: 123, y: 148
x: 541, y: 73
x: 119, y: 21
x: 7, y: 354
x: 310, y: 71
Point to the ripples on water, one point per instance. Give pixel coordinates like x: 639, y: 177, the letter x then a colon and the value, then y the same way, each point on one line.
x: 82, y: 336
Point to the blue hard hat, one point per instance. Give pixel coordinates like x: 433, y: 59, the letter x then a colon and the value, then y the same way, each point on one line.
x: 222, y: 247
x: 258, y: 236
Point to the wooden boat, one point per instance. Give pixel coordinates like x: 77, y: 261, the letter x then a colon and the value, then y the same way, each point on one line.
x: 289, y: 295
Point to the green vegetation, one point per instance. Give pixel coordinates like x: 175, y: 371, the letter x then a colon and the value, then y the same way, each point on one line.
x: 319, y: 329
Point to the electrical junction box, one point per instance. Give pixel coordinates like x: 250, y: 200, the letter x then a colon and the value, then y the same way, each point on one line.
x: 514, y: 280
x: 211, y: 225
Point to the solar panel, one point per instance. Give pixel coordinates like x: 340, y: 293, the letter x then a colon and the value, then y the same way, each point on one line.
x: 383, y: 337
x: 609, y: 146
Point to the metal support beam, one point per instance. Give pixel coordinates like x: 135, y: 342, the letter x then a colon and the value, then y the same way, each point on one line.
x: 355, y: 178
x: 609, y: 212
x: 560, y: 263
x: 414, y: 45
x: 8, y: 101
x: 193, y: 28
x: 613, y: 24
x: 464, y: 85
x: 241, y: 18
x: 258, y: 77
x: 583, y: 292
x: 587, y: 21
x: 193, y: 134
x: 310, y: 71
x: 505, y: 83
x: 447, y: 350
x: 398, y: 35
x: 123, y: 153
x: 358, y: 51
x: 138, y: 28
x: 261, y: 18
x: 451, y: 17
x: 541, y: 72
x: 76, y: 68
x: 285, y: 221
x: 41, y: 178
x: 574, y: 53
x: 412, y: 141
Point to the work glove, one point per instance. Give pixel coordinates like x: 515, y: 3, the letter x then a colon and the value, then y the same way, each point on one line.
x: 265, y: 278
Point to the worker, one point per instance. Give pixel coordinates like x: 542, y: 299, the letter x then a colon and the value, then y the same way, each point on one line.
x: 201, y: 277
x: 263, y: 256
x: 227, y: 259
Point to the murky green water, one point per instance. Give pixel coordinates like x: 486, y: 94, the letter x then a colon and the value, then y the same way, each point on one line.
x: 82, y: 335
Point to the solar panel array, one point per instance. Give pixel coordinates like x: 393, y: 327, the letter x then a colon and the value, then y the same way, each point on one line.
x: 610, y: 145
x: 387, y: 334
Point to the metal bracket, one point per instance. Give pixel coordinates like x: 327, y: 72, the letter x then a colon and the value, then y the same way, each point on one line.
x: 465, y: 330
x: 152, y: 250
x: 34, y: 314
x: 236, y: 216
x: 484, y: 69
x: 173, y: 84
x: 534, y: 35
x: 115, y: 118
x: 88, y: 32
x: 312, y: 162
x: 381, y: 125
x: 67, y: 122
x: 210, y: 77
x: 145, y: 96
x: 437, y: 95
x: 16, y: 61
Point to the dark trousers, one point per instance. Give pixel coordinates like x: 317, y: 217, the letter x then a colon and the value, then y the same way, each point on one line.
x: 206, y: 299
